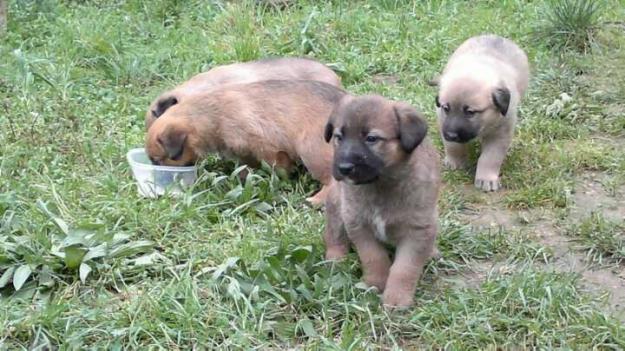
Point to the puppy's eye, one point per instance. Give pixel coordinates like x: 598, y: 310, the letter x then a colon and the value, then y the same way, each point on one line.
x: 445, y: 107
x: 468, y: 112
x: 372, y: 139
x: 338, y: 137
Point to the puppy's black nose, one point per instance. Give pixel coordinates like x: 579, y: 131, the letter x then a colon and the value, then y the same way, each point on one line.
x: 346, y: 168
x: 451, y: 136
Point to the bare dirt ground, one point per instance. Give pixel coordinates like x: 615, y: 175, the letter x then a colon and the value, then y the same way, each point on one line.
x: 590, y: 195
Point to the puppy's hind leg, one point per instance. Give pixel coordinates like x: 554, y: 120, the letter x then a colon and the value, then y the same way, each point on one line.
x: 283, y: 161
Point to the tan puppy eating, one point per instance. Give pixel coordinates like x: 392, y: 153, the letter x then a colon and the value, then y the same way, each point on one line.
x: 479, y: 95
x: 388, y: 182
x: 277, y: 121
x: 239, y: 73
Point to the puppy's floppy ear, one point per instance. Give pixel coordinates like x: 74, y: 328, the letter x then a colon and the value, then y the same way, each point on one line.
x: 172, y: 140
x: 163, y: 104
x: 334, y: 116
x: 328, y: 131
x: 412, y: 126
x: 501, y: 99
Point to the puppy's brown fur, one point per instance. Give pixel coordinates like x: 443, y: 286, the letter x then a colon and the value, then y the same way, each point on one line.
x: 479, y: 93
x: 289, y: 68
x: 388, y: 183
x: 278, y: 121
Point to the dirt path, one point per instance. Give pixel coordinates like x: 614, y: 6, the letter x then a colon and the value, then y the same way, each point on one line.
x: 590, y: 196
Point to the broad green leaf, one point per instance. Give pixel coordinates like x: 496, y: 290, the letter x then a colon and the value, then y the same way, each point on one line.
x: 6, y: 277
x: 234, y: 193
x: 74, y: 239
x: 20, y: 276
x: 45, y: 277
x: 58, y: 250
x: 95, y: 252
x: 74, y: 255
x: 234, y: 290
x: 149, y: 259
x: 284, y: 329
x: 242, y: 207
x: 229, y: 263
x: 265, y: 166
x: 60, y: 223
x: 301, y: 253
x: 132, y: 248
x: 308, y: 328
x: 119, y: 238
x: 87, y: 234
x: 236, y: 172
x: 218, y: 180
x: 84, y: 271
x: 303, y: 276
x: 263, y: 207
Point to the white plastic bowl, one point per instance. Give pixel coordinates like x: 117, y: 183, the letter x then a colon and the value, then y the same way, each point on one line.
x: 153, y: 180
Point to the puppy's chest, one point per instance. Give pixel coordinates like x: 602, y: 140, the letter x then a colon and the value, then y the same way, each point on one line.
x: 379, y: 224
x: 379, y: 217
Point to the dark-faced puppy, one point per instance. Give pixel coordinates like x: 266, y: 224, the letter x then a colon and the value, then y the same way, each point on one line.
x: 288, y: 68
x: 479, y: 93
x: 277, y: 121
x: 387, y: 187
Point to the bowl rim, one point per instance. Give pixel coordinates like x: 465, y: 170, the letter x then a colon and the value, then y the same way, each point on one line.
x: 135, y: 164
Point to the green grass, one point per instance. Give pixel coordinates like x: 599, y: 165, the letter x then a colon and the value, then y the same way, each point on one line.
x: 603, y: 239
x: 238, y: 263
x: 570, y: 24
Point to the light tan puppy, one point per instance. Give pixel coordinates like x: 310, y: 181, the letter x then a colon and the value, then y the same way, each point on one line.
x: 278, y: 121
x: 479, y: 94
x: 388, y: 183
x: 239, y: 73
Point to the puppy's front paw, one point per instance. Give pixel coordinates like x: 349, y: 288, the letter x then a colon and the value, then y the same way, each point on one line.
x: 455, y: 163
x: 319, y: 199
x: 378, y: 281
x: 435, y: 255
x: 397, y: 299
x: 315, y: 201
x: 488, y: 184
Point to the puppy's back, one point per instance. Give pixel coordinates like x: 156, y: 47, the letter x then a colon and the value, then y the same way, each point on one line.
x: 500, y: 50
x: 292, y: 104
x: 265, y: 69
x: 280, y: 112
x: 290, y: 68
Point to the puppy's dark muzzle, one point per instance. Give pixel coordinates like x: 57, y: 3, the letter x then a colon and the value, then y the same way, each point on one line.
x: 355, y: 163
x: 451, y: 136
x: 346, y: 168
x: 357, y: 173
x: 455, y: 137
